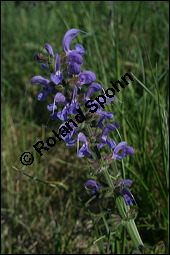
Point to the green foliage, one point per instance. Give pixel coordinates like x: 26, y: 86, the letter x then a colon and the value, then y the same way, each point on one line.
x: 126, y: 36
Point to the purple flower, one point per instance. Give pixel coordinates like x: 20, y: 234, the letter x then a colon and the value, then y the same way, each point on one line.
x: 104, y: 115
x: 57, y: 77
x: 142, y: 247
x: 126, y: 182
x: 95, y: 186
x: 95, y: 87
x: 59, y: 97
x: 97, y: 105
x: 36, y: 58
x: 63, y: 115
x: 44, y: 66
x: 68, y: 37
x: 49, y: 49
x: 79, y: 49
x: 67, y: 133
x: 73, y: 68
x: 83, y: 151
x: 69, y: 108
x: 86, y: 77
x: 39, y: 80
x: 47, y: 88
x: 125, y: 192
x: 104, y: 138
x: 109, y: 99
x: 74, y: 105
x: 42, y: 96
x: 128, y: 197
x: 125, y: 150
x: 75, y: 58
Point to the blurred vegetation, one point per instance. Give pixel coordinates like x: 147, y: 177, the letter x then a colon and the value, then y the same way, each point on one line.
x: 127, y: 36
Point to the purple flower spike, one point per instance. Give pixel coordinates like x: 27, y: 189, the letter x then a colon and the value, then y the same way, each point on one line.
x: 86, y: 77
x: 92, y: 89
x: 68, y: 37
x: 95, y: 186
x: 83, y: 151
x: 126, y: 150
x: 49, y: 49
x: 57, y: 77
x: 128, y: 197
x: 39, y: 80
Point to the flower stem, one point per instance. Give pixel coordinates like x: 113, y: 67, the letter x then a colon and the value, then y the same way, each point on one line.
x: 123, y: 209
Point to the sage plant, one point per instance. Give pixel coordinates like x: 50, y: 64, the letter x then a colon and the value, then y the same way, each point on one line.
x: 71, y: 91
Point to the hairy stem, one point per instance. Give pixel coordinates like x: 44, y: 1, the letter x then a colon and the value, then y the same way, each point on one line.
x: 122, y: 207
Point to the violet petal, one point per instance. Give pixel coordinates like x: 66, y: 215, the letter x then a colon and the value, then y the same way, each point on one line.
x: 68, y: 37
x: 39, y: 80
x: 86, y: 77
x: 49, y: 49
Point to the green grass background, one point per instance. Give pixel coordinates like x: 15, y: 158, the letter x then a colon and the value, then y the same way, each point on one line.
x: 127, y: 36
